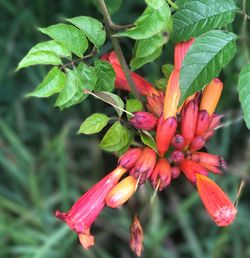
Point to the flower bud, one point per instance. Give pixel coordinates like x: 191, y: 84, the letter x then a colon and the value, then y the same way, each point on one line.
x: 203, y: 123
x: 120, y: 193
x: 144, y: 120
x: 136, y: 236
x: 178, y: 142
x: 197, y: 143
x: 211, y: 96
x: 177, y: 156
x: 188, y: 121
x: 180, y: 52
x: 172, y: 95
x: 216, y: 202
x: 155, y: 104
x: 144, y: 165
x: 186, y: 102
x: 208, y: 135
x: 128, y: 159
x: 165, y: 133
x: 215, y: 121
x: 190, y: 168
x: 175, y: 172
x: 161, y: 176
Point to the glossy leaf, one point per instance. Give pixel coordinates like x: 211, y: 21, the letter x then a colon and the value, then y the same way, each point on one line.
x: 151, y: 22
x: 51, y: 84
x: 199, y: 16
x: 39, y: 57
x: 89, y: 76
x: 94, y: 124
x: 116, y: 138
x: 105, y: 76
x: 161, y: 84
x: 148, y: 140
x: 133, y: 105
x: 244, y: 92
x: 71, y: 37
x: 205, y: 59
x: 92, y: 28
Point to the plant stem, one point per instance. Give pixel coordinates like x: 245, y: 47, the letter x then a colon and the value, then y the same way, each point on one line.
x: 109, y: 24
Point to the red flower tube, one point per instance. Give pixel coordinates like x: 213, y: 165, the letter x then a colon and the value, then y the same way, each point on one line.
x: 144, y: 120
x: 87, y: 208
x: 129, y: 158
x: 216, y: 202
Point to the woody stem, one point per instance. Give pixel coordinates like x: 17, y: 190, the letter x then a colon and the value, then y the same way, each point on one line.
x: 108, y: 22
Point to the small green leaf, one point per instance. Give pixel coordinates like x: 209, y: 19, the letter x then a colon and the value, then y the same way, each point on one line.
x: 52, y: 46
x: 204, y: 60
x: 105, y: 76
x: 151, y: 22
x: 156, y: 4
x: 71, y: 37
x: 39, y: 57
x: 148, y: 140
x: 244, y: 92
x: 92, y: 28
x: 116, y: 138
x: 199, y: 16
x: 133, y: 105
x: 161, y: 84
x: 72, y: 84
x: 113, y: 99
x: 94, y: 124
x: 130, y: 141
x: 167, y: 69
x: 89, y: 76
x: 137, y: 62
x: 51, y: 84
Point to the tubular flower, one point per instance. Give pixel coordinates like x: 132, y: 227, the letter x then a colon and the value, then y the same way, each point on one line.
x: 197, y: 143
x: 172, y: 95
x: 143, y: 86
x: 120, y: 193
x: 86, y: 209
x: 136, y: 236
x: 180, y: 52
x: 144, y: 120
x: 211, y: 96
x: 161, y: 176
x: 155, y: 104
x: 203, y: 122
x: 144, y: 165
x: 128, y: 159
x: 188, y: 121
x: 164, y: 133
x: 216, y: 202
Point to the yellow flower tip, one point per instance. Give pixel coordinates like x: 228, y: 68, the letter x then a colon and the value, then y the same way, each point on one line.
x: 119, y: 171
x: 172, y: 95
x: 211, y: 96
x: 86, y: 240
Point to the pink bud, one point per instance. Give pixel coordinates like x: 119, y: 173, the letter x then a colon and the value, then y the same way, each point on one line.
x: 203, y: 122
x: 175, y: 172
x: 197, y: 143
x: 178, y: 142
x: 177, y: 156
x: 144, y: 120
x: 128, y: 159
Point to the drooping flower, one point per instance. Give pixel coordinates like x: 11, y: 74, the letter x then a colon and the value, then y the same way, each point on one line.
x: 216, y: 202
x: 129, y: 158
x: 120, y: 193
x: 144, y: 120
x: 87, y: 208
x: 136, y: 236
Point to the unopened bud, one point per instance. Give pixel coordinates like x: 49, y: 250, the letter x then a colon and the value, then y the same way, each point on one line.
x: 177, y: 156
x: 203, y: 123
x: 144, y: 120
x: 120, y: 193
x: 197, y: 143
x: 128, y: 159
x: 215, y: 121
x: 136, y: 236
x: 155, y: 104
x: 178, y: 142
x: 175, y: 172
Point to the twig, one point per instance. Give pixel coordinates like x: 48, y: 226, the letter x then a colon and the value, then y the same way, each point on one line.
x: 109, y: 24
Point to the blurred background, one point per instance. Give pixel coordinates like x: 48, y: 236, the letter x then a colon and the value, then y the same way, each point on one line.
x: 45, y: 165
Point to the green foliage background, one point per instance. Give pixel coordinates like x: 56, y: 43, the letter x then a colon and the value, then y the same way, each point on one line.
x: 45, y: 165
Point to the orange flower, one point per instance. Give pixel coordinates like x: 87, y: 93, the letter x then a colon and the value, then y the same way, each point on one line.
x: 155, y: 104
x: 211, y: 96
x: 217, y: 203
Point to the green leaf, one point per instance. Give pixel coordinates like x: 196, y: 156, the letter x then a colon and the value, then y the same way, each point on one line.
x: 52, y: 46
x: 137, y: 62
x: 113, y: 99
x: 52, y: 83
x: 244, y: 92
x: 105, y: 76
x: 161, y: 84
x: 92, y: 28
x: 94, y: 124
x: 71, y: 37
x: 130, y: 141
x: 72, y: 84
x: 133, y: 105
x: 199, y: 16
x: 39, y: 57
x: 89, y: 76
x: 156, y: 4
x: 151, y: 22
x: 113, y: 5
x: 116, y: 138
x: 167, y: 69
x: 204, y: 60
x: 148, y: 140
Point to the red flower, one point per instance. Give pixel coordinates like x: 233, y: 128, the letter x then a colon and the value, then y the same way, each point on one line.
x: 155, y: 104
x: 87, y: 208
x: 129, y: 158
x: 197, y: 143
x: 203, y: 122
x: 143, y: 86
x: 144, y: 120
x: 178, y: 142
x: 218, y: 205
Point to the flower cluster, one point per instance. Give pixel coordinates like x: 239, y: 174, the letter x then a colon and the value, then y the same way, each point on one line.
x: 180, y: 135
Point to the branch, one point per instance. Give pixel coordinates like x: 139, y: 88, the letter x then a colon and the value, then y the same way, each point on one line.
x: 109, y: 24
